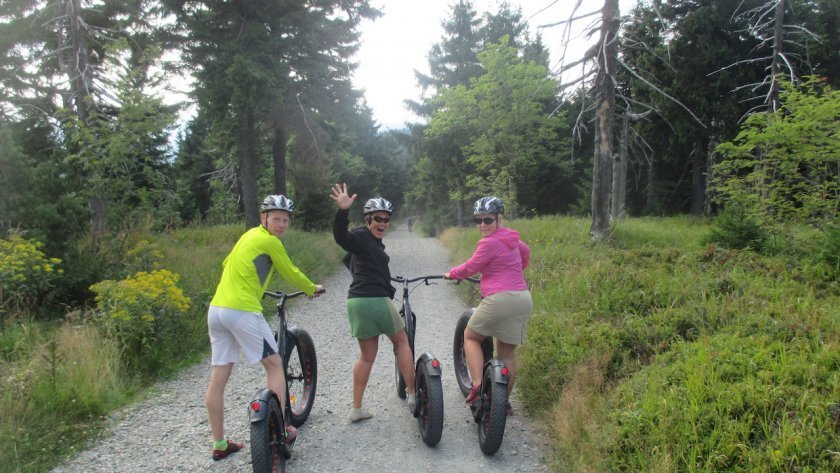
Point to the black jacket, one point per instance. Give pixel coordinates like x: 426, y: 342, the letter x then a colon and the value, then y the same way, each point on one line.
x: 368, y: 260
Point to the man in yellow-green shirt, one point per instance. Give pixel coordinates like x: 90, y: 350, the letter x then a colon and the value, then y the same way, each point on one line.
x: 235, y: 320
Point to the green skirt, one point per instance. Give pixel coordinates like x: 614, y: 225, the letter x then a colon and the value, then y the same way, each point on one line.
x: 373, y: 316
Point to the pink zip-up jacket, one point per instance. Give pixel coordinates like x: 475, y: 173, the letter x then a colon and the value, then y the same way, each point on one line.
x: 501, y: 258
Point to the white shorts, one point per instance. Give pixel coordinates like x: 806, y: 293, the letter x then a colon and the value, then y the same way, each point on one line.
x: 232, y: 331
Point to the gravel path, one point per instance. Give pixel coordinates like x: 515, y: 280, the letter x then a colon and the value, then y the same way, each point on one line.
x: 169, y: 431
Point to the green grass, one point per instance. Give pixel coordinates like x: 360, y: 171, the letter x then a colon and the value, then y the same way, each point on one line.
x: 61, y: 380
x: 656, y: 352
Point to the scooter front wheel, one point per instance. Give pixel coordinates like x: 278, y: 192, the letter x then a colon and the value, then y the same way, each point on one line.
x: 429, y: 405
x: 301, y: 375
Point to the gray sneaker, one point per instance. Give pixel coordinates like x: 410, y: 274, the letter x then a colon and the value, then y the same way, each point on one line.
x: 359, y: 414
x: 411, y: 399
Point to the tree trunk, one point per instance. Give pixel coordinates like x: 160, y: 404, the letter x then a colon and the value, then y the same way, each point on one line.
x: 775, y: 67
x: 650, y: 190
x: 698, y: 183
x: 710, y: 163
x: 605, y: 99
x: 248, y: 171
x: 79, y: 75
x: 278, y: 152
x: 459, y: 210
x: 619, y: 176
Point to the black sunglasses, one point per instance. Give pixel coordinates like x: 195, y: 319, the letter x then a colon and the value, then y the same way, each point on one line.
x: 485, y: 220
x: 378, y: 219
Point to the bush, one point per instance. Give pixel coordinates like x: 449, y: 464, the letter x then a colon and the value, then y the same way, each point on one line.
x: 26, y: 274
x: 143, y: 314
x: 830, y: 252
x: 735, y: 229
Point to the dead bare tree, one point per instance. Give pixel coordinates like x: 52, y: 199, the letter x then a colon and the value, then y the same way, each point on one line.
x: 767, y: 24
x: 607, y: 60
x: 620, y: 162
x: 604, y: 56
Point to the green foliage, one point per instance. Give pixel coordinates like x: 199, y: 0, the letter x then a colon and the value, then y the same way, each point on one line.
x: 26, y: 274
x: 734, y: 228
x: 730, y: 403
x: 144, y: 314
x: 124, y: 160
x: 784, y: 166
x: 512, y: 146
x: 830, y: 251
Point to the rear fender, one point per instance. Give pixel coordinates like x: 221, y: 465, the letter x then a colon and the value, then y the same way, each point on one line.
x: 432, y: 364
x: 258, y: 408
x: 501, y: 374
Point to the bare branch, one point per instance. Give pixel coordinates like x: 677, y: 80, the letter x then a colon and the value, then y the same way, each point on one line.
x: 582, y: 77
x: 634, y: 74
x: 646, y: 48
x: 570, y: 20
x: 745, y: 61
x: 789, y: 66
x: 806, y: 31
x: 555, y: 2
x: 308, y: 128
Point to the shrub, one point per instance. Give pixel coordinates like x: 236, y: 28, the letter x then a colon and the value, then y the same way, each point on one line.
x: 143, y: 314
x: 735, y: 229
x: 830, y: 252
x: 26, y: 274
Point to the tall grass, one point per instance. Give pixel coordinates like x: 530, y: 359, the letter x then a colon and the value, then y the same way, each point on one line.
x: 60, y: 381
x: 56, y: 394
x: 657, y: 352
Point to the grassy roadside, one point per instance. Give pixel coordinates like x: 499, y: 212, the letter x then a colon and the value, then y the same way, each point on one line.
x: 655, y: 352
x: 61, y: 380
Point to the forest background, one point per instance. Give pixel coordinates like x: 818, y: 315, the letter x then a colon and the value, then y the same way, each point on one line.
x: 723, y: 110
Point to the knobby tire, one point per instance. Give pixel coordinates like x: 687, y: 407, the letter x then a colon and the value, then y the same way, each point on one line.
x: 301, y: 376
x: 429, y: 393
x: 267, y: 437
x: 409, y: 332
x: 491, y: 428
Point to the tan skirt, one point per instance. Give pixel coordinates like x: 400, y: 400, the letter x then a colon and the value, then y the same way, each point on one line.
x: 504, y: 315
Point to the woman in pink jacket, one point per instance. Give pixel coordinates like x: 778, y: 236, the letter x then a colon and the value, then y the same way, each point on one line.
x: 501, y: 258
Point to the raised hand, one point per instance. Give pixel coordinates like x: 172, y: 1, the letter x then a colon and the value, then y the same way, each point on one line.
x: 339, y: 195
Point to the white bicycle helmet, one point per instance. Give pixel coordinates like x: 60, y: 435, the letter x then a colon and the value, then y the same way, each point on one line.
x: 488, y: 205
x: 378, y: 204
x: 277, y: 202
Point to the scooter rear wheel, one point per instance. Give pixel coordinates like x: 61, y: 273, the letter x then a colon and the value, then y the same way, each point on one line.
x: 267, y: 439
x: 491, y: 425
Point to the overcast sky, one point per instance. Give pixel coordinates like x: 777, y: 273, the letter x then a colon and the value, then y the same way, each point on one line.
x: 397, y: 43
